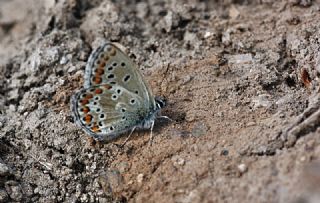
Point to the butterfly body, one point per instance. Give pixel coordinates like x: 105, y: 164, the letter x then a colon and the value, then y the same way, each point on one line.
x: 115, y: 98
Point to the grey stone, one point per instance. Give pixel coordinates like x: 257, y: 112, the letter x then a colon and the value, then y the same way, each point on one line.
x: 14, y: 190
x: 4, y: 170
x: 3, y: 196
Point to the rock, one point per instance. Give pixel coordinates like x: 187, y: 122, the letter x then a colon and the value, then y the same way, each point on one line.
x: 111, y: 182
x: 303, y: 3
x: 3, y: 196
x: 171, y: 21
x: 14, y: 190
x: 193, y: 196
x: 189, y: 37
x: 4, y: 170
x: 207, y: 34
x: 142, y: 9
x: 177, y: 161
x: 234, y: 12
x: 140, y: 178
x: 224, y: 152
x: 240, y: 58
x: 242, y: 168
x: 64, y: 60
x: 14, y: 94
x: 261, y: 101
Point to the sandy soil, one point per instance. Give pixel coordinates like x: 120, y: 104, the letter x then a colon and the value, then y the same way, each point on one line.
x: 241, y: 78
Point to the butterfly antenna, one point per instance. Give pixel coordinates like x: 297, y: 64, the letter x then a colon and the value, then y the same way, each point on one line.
x: 128, y: 137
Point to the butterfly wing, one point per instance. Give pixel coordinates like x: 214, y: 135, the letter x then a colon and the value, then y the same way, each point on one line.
x: 108, y: 64
x: 105, y: 111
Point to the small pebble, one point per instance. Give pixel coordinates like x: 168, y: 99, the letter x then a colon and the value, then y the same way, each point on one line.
x: 207, y: 34
x: 14, y: 190
x: 224, y: 152
x: 63, y: 60
x: 178, y: 162
x: 242, y: 168
x: 71, y: 69
x: 4, y: 169
x: 3, y: 196
x: 251, y: 124
x: 111, y: 181
x: 140, y: 178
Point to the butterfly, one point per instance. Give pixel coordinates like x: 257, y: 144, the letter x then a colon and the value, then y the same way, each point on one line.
x: 115, y: 98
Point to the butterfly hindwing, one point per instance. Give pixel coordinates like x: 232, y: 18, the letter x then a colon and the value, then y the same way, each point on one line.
x: 105, y: 111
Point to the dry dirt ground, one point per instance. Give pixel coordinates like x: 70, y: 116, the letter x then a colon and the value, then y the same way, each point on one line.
x: 241, y: 78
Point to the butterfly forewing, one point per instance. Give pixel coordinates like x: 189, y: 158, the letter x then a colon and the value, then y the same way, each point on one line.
x: 108, y: 64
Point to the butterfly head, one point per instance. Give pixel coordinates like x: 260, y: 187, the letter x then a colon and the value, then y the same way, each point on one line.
x: 160, y: 102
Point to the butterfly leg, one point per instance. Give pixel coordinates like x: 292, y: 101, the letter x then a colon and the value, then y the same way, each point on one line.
x: 128, y: 137
x: 151, y: 133
x: 166, y: 117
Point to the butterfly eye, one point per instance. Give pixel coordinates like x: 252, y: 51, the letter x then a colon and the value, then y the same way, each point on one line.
x: 123, y: 110
x: 98, y: 110
x: 110, y: 68
x: 101, y: 115
x: 119, y: 91
x: 111, y: 128
x: 100, y: 123
x: 137, y: 92
x: 123, y: 64
x: 114, y: 64
x: 124, y: 118
x: 114, y: 97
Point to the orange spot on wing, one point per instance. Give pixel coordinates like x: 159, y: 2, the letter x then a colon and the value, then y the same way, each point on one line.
x: 98, y: 91
x: 97, y: 80
x: 102, y: 65
x: 85, y: 109
x: 88, y: 118
x: 84, y: 102
x: 99, y: 71
x: 95, y: 128
x: 89, y: 96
